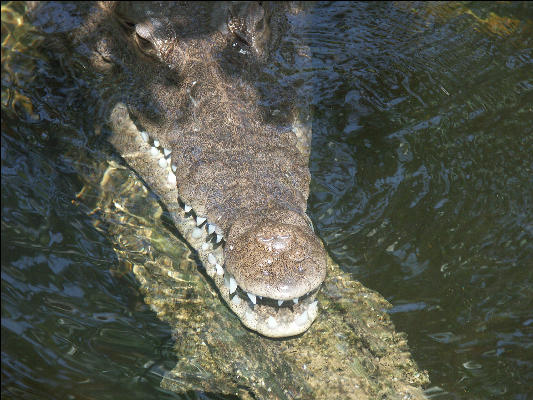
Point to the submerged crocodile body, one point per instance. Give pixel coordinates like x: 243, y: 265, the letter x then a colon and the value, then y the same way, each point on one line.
x: 189, y: 121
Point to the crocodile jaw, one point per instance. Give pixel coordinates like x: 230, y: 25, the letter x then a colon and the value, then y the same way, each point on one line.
x: 264, y: 315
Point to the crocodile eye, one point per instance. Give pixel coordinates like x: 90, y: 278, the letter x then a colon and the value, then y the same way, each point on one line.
x: 143, y: 43
x: 143, y: 38
x: 248, y: 21
x: 142, y: 33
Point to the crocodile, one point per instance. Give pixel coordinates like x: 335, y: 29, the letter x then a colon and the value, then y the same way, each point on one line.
x: 353, y: 351
x: 192, y: 121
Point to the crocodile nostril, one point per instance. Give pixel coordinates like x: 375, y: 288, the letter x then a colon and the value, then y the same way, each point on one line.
x: 275, y: 242
x: 279, y: 244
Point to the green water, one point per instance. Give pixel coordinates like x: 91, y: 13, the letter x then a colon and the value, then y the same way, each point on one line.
x: 422, y: 188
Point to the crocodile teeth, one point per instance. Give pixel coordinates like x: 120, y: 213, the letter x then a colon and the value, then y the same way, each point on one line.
x: 174, y: 167
x: 156, y: 143
x: 272, y: 323
x: 232, y: 285
x: 220, y: 270
x: 166, y: 152
x: 162, y: 163
x: 200, y: 220
x: 145, y: 136
x: 211, y: 258
x: 187, y: 208
x: 252, y: 297
x: 171, y: 178
x: 250, y: 317
x: 210, y: 228
x: 313, y: 308
x: 301, y: 319
x: 236, y: 300
x: 295, y: 301
x: 280, y: 302
x: 219, y: 238
x: 205, y: 246
x: 154, y: 151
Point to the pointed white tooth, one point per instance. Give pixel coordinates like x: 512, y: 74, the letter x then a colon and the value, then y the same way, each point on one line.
x: 272, y: 323
x: 211, y: 258
x: 171, y: 178
x: 200, y: 220
x: 174, y: 167
x: 187, y: 208
x: 312, y: 310
x: 295, y: 301
x: 162, y: 163
x: 252, y: 297
x: 205, y: 246
x: 220, y: 270
x: 260, y: 297
x: 219, y: 238
x: 236, y: 300
x: 154, y: 151
x: 156, y: 143
x: 145, y: 136
x: 232, y: 285
x: 197, y: 233
x: 210, y: 228
x: 250, y: 317
x: 166, y: 152
x: 301, y: 319
x: 280, y: 302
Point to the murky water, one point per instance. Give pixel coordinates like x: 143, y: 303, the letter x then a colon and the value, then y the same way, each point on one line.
x: 422, y: 188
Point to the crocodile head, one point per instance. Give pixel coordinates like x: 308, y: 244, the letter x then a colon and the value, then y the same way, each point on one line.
x: 192, y: 118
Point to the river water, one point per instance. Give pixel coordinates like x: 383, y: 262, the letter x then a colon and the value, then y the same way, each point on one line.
x: 422, y: 188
